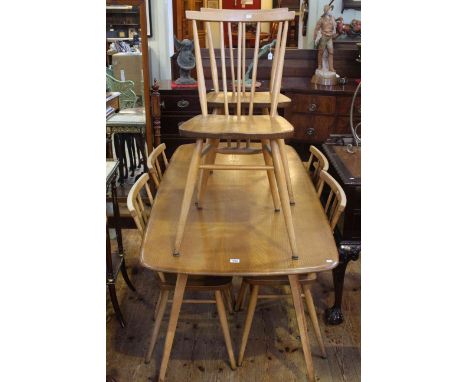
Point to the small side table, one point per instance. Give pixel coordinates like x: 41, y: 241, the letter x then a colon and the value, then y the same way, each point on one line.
x: 115, y: 262
x: 345, y: 167
x: 126, y: 126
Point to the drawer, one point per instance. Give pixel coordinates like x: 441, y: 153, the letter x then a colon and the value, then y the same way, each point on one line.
x: 306, y: 103
x: 343, y: 104
x: 342, y: 125
x: 180, y: 103
x: 170, y: 123
x: 311, y: 128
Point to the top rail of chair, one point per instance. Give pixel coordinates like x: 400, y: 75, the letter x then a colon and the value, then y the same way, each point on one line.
x: 231, y: 15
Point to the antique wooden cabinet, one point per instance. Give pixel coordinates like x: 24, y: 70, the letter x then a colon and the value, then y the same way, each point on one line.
x: 316, y: 112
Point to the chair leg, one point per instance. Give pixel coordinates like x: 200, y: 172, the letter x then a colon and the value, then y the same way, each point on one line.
x: 159, y: 314
x: 227, y: 297
x: 313, y: 316
x: 204, y: 174
x: 241, y: 296
x: 158, y: 304
x: 271, y: 175
x: 123, y: 269
x: 284, y: 159
x: 188, y: 193
x: 225, y: 328
x: 297, y: 300
x: 115, y: 304
x: 281, y: 181
x: 171, y: 328
x: 248, y: 323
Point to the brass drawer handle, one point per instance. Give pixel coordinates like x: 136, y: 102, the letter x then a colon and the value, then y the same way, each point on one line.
x: 162, y: 104
x: 312, y: 107
x: 310, y: 131
x: 183, y: 103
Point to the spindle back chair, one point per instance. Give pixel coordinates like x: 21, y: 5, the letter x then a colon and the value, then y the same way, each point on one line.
x: 242, y: 124
x: 336, y: 200
x: 221, y: 286
x: 155, y: 160
x: 316, y: 163
x: 279, y: 16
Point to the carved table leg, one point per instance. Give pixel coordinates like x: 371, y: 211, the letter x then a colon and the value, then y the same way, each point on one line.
x: 347, y: 252
x: 110, y: 281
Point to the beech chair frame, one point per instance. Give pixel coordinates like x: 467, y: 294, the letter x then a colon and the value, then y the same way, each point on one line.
x: 221, y: 286
x: 154, y: 165
x: 317, y: 162
x: 270, y: 129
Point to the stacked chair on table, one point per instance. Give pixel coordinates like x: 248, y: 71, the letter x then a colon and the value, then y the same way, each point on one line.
x: 233, y: 119
x: 140, y: 209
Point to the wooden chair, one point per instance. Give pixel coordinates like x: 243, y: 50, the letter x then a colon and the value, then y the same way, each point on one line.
x: 155, y: 160
x: 243, y: 125
x: 334, y: 207
x: 221, y: 286
x: 317, y: 163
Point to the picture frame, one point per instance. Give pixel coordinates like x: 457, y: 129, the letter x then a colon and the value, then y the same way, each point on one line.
x: 212, y: 4
x: 149, y: 30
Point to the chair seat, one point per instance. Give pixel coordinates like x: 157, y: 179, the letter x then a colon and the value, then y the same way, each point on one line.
x: 233, y: 127
x: 198, y: 282
x: 278, y: 280
x: 261, y: 99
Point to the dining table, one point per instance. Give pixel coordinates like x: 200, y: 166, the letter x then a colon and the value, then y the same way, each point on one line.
x: 237, y: 233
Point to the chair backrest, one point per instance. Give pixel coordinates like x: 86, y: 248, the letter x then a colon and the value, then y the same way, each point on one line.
x: 317, y: 162
x: 128, y: 97
x: 135, y: 204
x: 242, y: 17
x: 336, y: 200
x: 155, y: 160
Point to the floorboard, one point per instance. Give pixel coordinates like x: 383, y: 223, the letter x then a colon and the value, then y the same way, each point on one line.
x: 273, y: 351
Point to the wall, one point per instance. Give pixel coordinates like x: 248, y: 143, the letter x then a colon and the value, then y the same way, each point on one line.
x: 316, y: 10
x: 161, y: 44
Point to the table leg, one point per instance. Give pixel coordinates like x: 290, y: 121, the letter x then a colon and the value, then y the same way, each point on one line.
x: 111, y: 282
x: 120, y: 154
x: 115, y: 207
x: 172, y: 325
x: 301, y: 323
x: 333, y: 315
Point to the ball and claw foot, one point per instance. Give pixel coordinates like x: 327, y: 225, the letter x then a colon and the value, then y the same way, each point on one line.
x: 334, y: 316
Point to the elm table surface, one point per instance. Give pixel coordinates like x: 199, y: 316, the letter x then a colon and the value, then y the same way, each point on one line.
x: 237, y: 222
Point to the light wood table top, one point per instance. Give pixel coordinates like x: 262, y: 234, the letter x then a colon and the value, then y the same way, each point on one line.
x: 237, y: 232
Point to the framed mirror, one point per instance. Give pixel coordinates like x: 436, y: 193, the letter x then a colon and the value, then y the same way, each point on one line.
x: 127, y: 57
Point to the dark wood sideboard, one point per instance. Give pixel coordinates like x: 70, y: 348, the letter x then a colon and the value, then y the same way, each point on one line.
x: 345, y: 167
x: 316, y: 112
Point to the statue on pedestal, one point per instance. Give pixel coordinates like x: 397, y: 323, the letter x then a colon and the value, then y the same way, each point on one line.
x: 185, y: 60
x: 325, y: 74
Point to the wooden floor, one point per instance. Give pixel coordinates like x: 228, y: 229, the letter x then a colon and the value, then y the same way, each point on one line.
x: 273, y: 352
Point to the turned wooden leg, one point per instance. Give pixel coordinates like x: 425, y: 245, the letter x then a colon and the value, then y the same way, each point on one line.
x: 123, y: 269
x: 313, y: 316
x: 227, y: 297
x: 188, y: 193
x: 241, y: 296
x: 271, y: 175
x: 248, y: 323
x: 171, y: 327
x: 158, y: 304
x: 204, y: 174
x: 284, y: 159
x: 225, y: 328
x: 281, y: 181
x: 159, y: 314
x: 301, y: 323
